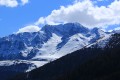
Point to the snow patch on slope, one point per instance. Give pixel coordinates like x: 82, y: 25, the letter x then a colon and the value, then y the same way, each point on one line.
x: 48, y: 48
x: 100, y: 43
x: 75, y: 42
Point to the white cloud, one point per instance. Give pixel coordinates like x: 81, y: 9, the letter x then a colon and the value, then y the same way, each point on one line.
x: 9, y: 3
x: 115, y: 29
x: 24, y: 2
x: 118, y: 28
x: 30, y: 28
x: 86, y: 13
x: 12, y: 3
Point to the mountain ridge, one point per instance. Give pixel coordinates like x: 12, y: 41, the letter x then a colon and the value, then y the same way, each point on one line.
x: 37, y: 39
x: 49, y: 44
x: 84, y: 64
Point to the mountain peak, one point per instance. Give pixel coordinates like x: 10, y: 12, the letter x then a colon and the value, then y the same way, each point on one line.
x: 68, y: 29
x: 55, y: 38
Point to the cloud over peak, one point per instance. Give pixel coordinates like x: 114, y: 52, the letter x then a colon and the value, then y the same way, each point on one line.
x: 86, y: 13
x: 30, y: 28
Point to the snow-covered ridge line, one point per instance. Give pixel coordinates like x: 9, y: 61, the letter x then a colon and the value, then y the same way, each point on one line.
x: 48, y: 44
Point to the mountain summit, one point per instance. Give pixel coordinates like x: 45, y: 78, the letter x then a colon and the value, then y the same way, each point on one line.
x: 51, y: 39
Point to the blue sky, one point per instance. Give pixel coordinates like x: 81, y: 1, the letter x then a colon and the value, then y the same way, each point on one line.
x: 12, y: 18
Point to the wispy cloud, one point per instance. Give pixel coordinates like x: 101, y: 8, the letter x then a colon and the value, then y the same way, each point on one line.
x: 24, y: 2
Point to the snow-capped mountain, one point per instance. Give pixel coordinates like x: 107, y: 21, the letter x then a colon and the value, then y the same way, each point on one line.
x: 50, y: 43
x: 91, y: 63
